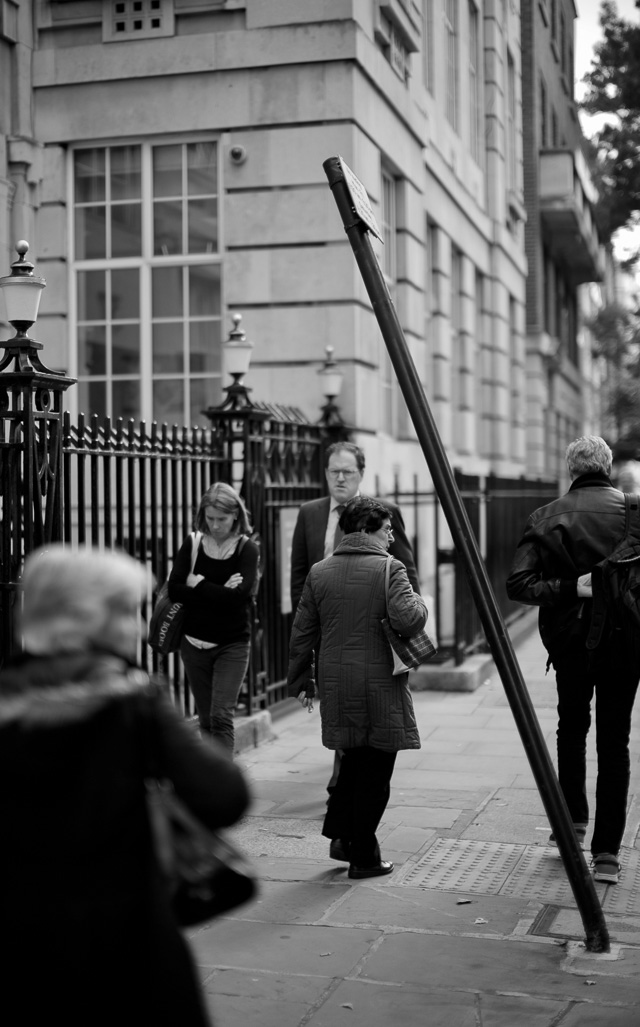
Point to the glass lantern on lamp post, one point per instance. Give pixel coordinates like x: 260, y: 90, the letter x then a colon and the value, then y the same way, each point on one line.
x: 236, y: 360
x: 331, y: 419
x: 22, y: 291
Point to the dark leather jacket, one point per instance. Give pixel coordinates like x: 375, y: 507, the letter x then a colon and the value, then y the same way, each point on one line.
x: 562, y: 541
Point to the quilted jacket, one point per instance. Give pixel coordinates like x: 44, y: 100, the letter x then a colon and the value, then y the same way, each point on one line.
x: 339, y: 615
x: 561, y: 541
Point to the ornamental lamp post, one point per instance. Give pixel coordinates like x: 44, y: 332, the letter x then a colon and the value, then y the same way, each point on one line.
x: 30, y: 440
x: 238, y: 441
x: 237, y: 435
x: 236, y: 360
x: 331, y: 422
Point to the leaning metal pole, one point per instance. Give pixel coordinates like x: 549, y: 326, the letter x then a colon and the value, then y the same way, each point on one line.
x: 580, y: 880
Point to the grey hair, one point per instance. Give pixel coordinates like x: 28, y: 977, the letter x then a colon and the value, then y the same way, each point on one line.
x: 587, y: 454
x: 70, y: 595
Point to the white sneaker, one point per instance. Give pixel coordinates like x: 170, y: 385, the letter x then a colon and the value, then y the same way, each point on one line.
x: 606, y: 867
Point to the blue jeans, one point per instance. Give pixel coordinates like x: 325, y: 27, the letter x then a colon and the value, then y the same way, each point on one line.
x: 215, y: 678
x: 611, y: 675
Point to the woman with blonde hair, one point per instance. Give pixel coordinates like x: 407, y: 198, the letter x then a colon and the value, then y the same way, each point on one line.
x: 217, y: 603
x: 81, y: 890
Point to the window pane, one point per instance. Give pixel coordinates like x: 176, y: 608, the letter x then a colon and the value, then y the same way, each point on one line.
x: 90, y: 237
x: 168, y: 402
x: 126, y: 230
x: 205, y: 392
x: 167, y: 292
x: 92, y: 351
x: 204, y: 291
x: 89, y: 176
x: 125, y: 173
x: 204, y: 347
x: 125, y: 350
x: 92, y: 398
x: 167, y: 227
x: 202, y: 169
x: 125, y: 298
x: 203, y: 226
x: 125, y: 401
x: 92, y: 292
x: 167, y: 348
x: 167, y: 171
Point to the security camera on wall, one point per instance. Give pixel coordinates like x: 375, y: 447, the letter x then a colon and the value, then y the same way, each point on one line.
x: 238, y: 154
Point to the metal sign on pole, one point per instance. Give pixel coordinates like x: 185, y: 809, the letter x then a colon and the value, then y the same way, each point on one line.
x: 349, y: 200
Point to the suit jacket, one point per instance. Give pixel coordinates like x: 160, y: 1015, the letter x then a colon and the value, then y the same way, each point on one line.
x: 307, y: 546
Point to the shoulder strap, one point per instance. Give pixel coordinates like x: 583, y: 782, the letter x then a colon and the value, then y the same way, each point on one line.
x: 196, y: 539
x: 387, y: 571
x: 241, y: 543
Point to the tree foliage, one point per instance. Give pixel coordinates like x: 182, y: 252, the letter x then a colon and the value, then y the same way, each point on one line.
x: 613, y: 85
x: 616, y: 337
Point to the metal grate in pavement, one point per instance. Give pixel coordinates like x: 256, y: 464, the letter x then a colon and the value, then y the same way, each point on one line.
x: 519, y: 871
x: 624, y: 897
x: 540, y: 875
x: 458, y: 864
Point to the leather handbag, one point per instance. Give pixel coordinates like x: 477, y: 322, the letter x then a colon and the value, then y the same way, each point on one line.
x: 166, y: 625
x: 408, y: 652
x: 204, y: 873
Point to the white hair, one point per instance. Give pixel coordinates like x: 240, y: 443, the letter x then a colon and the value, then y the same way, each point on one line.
x: 587, y: 454
x: 69, y: 596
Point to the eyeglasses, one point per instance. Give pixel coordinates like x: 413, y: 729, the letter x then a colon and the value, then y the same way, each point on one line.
x: 347, y: 475
x: 389, y: 530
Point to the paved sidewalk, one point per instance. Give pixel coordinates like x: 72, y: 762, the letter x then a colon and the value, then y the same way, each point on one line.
x: 476, y: 927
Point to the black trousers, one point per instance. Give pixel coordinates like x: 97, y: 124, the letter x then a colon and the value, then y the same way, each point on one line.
x: 358, y: 801
x: 611, y: 675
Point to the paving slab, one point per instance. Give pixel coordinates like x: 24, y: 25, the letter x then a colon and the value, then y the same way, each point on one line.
x: 531, y: 968
x: 294, y: 902
x: 316, y: 950
x: 259, y: 999
x: 282, y: 836
x: 422, y: 816
x: 453, y: 798
x: 503, y: 826
x: 609, y: 1015
x: 379, y: 1005
x: 429, y: 911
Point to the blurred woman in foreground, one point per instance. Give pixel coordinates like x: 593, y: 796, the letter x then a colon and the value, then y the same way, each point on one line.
x: 91, y: 937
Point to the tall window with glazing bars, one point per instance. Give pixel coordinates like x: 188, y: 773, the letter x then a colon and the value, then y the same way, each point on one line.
x: 451, y: 33
x: 146, y: 280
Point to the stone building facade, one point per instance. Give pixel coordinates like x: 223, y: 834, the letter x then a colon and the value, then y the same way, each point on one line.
x: 164, y: 159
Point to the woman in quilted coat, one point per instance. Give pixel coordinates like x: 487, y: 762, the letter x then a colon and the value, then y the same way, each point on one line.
x: 365, y: 711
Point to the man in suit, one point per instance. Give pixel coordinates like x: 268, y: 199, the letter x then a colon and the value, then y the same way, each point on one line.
x: 317, y: 533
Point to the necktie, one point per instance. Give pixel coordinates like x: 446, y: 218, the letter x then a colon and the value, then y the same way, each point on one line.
x: 339, y: 533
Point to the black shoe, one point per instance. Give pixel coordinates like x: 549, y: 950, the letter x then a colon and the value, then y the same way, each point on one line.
x: 339, y: 850
x: 383, y: 867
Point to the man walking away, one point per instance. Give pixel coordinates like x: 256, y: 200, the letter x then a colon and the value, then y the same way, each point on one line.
x: 561, y: 544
